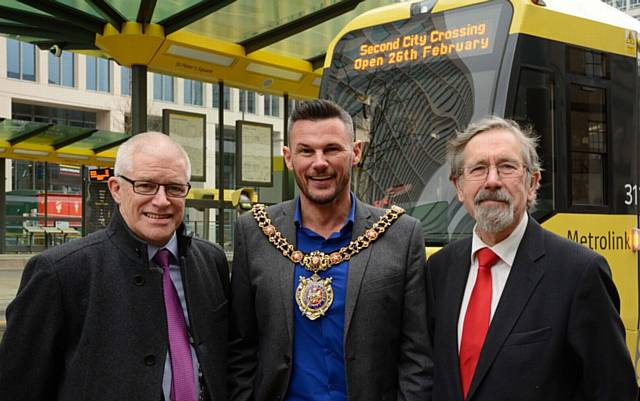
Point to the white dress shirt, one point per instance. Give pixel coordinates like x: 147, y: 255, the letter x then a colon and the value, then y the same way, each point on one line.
x: 506, y: 251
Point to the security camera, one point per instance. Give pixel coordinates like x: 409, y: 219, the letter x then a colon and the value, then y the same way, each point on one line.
x: 56, y: 50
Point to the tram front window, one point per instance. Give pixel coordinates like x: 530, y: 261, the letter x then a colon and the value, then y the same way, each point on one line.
x: 410, y: 85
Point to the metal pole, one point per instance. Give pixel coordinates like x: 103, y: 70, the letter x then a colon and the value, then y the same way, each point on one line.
x: 85, y: 183
x: 220, y: 179
x: 138, y: 99
x: 285, y: 140
x: 3, y: 204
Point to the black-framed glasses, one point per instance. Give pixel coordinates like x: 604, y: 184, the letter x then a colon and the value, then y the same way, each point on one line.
x: 506, y: 170
x: 151, y: 188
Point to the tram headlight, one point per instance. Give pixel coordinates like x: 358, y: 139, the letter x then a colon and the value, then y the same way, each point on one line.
x: 635, y: 239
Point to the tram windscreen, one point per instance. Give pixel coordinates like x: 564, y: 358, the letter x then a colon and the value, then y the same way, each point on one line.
x: 409, y: 85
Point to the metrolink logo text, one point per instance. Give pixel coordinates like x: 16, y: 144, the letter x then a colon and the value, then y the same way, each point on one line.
x: 608, y: 241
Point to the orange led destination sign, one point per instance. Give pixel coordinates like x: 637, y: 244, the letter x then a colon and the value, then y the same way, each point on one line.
x: 100, y: 174
x: 470, y: 39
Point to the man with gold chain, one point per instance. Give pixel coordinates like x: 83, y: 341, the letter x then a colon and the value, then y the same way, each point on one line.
x: 327, y: 293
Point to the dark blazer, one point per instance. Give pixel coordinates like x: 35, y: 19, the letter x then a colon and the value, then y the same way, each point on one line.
x: 556, y: 334
x: 385, y: 343
x: 88, y: 322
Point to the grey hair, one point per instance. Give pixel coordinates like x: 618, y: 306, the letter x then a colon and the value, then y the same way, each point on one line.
x: 320, y: 109
x: 525, y: 136
x: 146, y: 142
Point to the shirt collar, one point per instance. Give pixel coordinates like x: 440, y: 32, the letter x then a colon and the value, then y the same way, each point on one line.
x: 171, y: 245
x: 505, y: 249
x: 350, y: 218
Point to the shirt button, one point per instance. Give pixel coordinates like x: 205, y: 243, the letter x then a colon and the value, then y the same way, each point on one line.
x: 138, y: 280
x: 149, y: 360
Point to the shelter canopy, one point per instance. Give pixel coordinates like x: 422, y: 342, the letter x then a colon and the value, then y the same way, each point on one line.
x: 275, y: 47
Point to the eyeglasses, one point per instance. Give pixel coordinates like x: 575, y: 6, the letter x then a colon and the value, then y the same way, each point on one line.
x: 505, y: 170
x: 151, y: 188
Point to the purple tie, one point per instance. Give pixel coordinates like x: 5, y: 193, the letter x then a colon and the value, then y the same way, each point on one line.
x: 183, y: 380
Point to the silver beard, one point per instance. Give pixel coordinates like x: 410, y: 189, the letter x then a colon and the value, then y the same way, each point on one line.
x: 493, y: 219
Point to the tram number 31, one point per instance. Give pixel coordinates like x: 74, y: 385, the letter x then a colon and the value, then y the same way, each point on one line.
x: 631, y: 194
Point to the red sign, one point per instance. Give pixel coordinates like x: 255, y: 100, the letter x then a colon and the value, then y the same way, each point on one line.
x: 61, y: 207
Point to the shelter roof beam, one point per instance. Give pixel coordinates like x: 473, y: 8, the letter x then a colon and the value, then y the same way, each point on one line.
x: 67, y: 13
x: 109, y: 13
x: 109, y: 145
x: 39, y: 20
x: 46, y: 45
x: 71, y: 140
x: 24, y: 135
x: 145, y: 11
x: 35, y: 31
x: 317, y: 61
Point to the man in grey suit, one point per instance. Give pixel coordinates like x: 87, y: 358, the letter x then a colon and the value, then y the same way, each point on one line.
x: 327, y: 293
x: 137, y: 311
x: 516, y: 312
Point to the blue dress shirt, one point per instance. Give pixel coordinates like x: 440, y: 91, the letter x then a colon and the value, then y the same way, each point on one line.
x: 318, y: 372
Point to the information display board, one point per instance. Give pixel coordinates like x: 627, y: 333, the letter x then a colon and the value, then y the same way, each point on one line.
x: 189, y: 130
x: 254, y: 150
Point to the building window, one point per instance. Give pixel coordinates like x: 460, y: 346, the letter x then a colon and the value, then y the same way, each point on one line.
x: 53, y: 115
x: 216, y: 97
x: 163, y: 87
x: 21, y: 60
x: 272, y: 105
x: 193, y: 92
x: 61, y: 69
x: 98, y: 74
x: 125, y: 81
x: 292, y: 105
x: 248, y: 101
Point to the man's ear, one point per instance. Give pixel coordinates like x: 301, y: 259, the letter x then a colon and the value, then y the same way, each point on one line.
x: 357, y: 152
x: 115, y: 187
x: 534, y: 184
x: 286, y: 154
x: 457, y: 182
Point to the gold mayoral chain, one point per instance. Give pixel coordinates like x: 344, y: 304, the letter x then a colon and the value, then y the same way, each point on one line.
x: 314, y: 295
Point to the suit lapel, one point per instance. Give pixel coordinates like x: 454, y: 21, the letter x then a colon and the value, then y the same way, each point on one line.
x: 453, y: 294
x: 524, y: 277
x: 284, y: 222
x: 357, y: 264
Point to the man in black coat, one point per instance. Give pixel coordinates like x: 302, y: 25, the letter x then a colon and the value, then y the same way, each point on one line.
x: 89, y: 320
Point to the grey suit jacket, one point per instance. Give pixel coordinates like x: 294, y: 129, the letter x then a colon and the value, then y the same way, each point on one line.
x: 385, y: 336
x: 555, y: 336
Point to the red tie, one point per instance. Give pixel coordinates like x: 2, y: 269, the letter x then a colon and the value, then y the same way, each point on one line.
x: 476, y: 320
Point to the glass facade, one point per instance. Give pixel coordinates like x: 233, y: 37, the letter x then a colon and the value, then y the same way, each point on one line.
x: 215, y: 101
x: 98, y: 74
x: 163, y: 87
x: 272, y: 105
x: 62, y: 69
x: 125, y: 81
x: 247, y: 101
x: 21, y: 60
x: 193, y: 92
